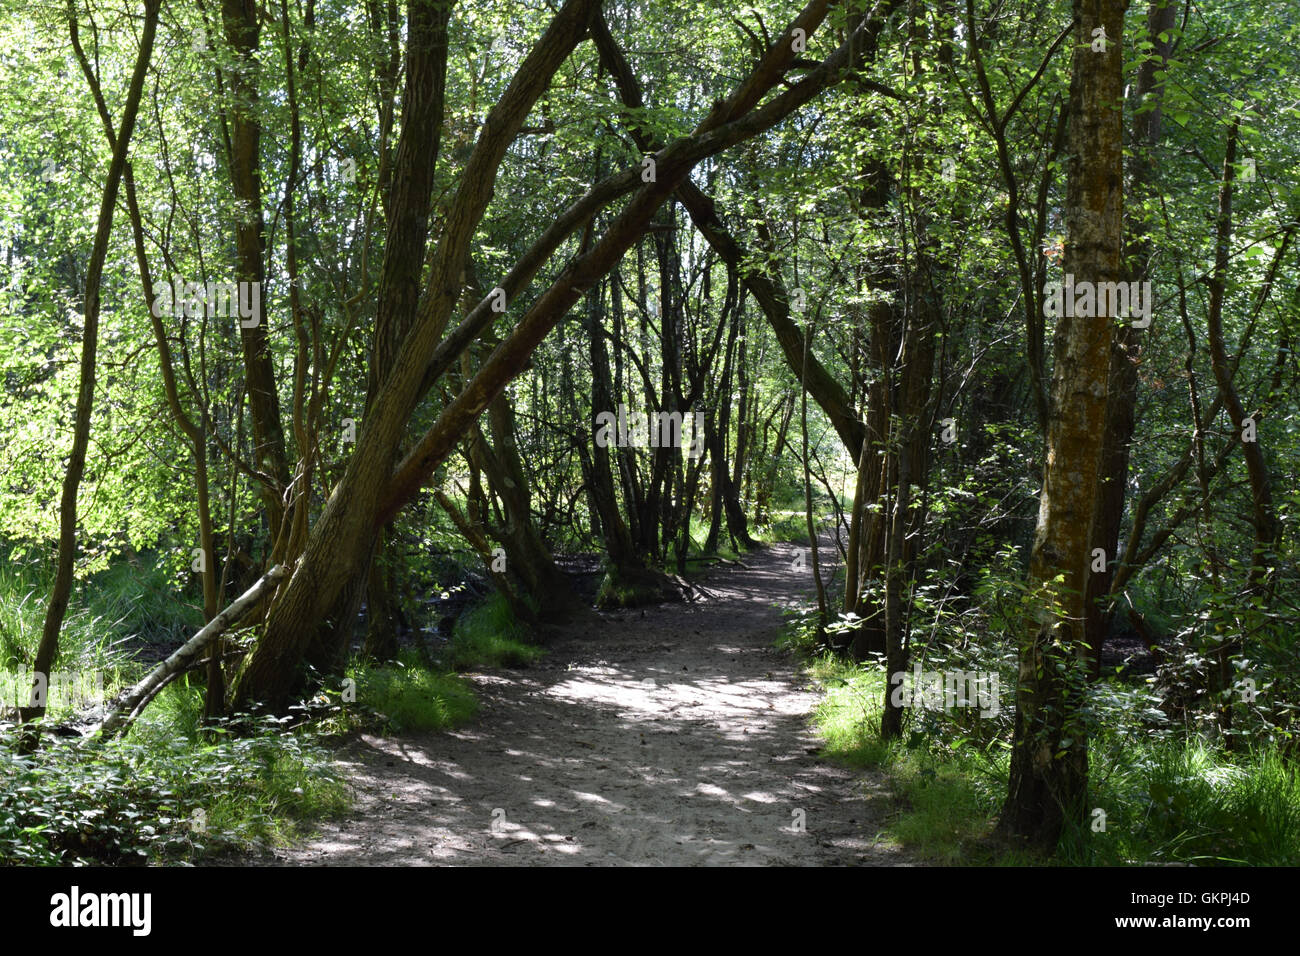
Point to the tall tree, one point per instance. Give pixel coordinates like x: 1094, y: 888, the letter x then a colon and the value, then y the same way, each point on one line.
x: 62, y: 589
x: 1048, y: 784
x: 241, y: 20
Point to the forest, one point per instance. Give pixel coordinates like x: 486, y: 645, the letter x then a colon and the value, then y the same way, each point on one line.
x: 654, y: 432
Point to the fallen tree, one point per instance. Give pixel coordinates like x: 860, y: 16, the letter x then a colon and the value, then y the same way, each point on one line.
x: 130, y: 705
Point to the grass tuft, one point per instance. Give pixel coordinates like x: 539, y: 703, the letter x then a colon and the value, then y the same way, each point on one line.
x: 489, y: 635
x: 409, y: 697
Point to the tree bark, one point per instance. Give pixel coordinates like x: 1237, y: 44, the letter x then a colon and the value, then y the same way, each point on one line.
x: 241, y: 21
x: 1122, y: 397
x: 409, y: 202
x: 1048, y: 783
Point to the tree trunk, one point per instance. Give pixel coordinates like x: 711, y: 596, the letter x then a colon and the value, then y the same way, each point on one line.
x: 242, y: 26
x: 47, y: 650
x: 1122, y: 397
x: 408, y: 202
x: 1048, y: 784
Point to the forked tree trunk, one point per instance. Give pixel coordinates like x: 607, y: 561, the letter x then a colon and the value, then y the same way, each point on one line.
x: 505, y: 470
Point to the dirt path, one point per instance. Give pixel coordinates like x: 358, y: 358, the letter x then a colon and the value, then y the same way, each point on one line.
x: 677, y: 735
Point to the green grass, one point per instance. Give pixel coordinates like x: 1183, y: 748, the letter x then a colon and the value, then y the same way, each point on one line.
x: 700, y: 534
x: 848, y: 716
x: 490, y: 636
x: 1183, y: 800
x: 408, y: 697
x: 91, y: 635
x: 1168, y: 796
x: 121, y: 603
x: 613, y: 594
x: 945, y: 811
x: 786, y: 526
x: 107, y: 614
x: 949, y: 815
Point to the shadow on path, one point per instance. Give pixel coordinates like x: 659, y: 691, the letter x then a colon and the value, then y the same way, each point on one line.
x: 675, y: 735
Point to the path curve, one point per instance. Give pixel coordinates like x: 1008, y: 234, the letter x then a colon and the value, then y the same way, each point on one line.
x: 677, y: 735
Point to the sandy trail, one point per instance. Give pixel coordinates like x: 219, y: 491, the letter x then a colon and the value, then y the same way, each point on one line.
x: 674, y: 736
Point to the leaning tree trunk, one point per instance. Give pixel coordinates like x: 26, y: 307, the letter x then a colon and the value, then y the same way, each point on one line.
x: 369, y: 494
x: 132, y: 703
x: 194, y: 433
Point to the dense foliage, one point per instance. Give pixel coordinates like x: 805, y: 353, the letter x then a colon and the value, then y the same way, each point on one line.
x: 843, y: 306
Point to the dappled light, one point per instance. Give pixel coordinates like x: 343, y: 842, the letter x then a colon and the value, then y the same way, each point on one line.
x: 682, y: 740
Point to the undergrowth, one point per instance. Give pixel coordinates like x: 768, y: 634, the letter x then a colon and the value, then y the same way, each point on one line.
x: 407, y: 696
x: 489, y: 635
x: 170, y: 790
x: 163, y: 792
x: 1164, y: 795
